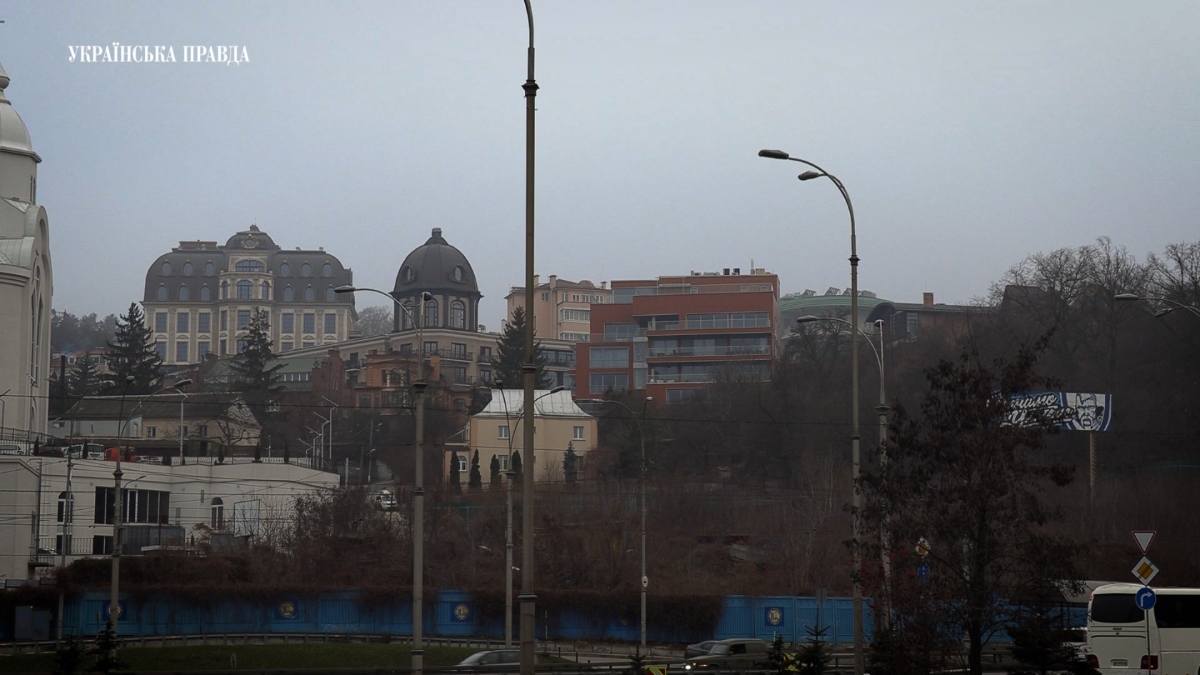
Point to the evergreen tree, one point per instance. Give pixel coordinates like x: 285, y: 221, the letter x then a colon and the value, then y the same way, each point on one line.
x: 455, y: 480
x: 516, y: 464
x: 510, y: 356
x: 105, y: 650
x: 255, y: 372
x: 84, y: 380
x: 494, y: 472
x: 476, y: 479
x: 570, y: 463
x: 132, y: 353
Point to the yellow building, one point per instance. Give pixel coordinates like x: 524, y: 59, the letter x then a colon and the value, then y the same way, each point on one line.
x: 497, y: 431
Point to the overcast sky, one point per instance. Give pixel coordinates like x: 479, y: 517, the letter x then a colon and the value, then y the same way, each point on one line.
x: 968, y: 134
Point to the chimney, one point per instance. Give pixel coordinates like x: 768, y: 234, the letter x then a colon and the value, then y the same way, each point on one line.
x: 603, y: 285
x: 535, y: 281
x: 553, y: 278
x: 929, y: 299
x: 726, y: 271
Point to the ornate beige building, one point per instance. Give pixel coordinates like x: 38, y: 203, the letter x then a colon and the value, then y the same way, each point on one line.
x: 201, y: 297
x: 26, y: 284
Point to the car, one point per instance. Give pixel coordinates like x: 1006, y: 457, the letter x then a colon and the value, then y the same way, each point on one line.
x: 731, y: 654
x: 493, y: 659
x: 698, y: 649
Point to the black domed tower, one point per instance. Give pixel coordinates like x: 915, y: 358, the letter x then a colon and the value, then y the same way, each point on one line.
x: 445, y: 273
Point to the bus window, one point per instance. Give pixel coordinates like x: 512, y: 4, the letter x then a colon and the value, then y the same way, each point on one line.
x: 1116, y: 608
x: 1177, y: 611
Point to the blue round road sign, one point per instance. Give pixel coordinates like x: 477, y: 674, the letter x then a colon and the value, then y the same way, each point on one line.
x: 1145, y: 598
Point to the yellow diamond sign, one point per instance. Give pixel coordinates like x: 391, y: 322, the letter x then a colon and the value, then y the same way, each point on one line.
x: 1145, y: 570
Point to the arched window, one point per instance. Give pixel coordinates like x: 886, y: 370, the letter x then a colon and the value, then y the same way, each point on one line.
x: 309, y: 294
x: 66, y: 508
x: 224, y: 290
x: 162, y: 293
x: 285, y: 270
x: 266, y: 290
x: 218, y: 514
x: 244, y: 289
x: 406, y: 314
x: 249, y: 266
x: 166, y: 269
x: 458, y: 315
x: 209, y: 269
x: 330, y: 296
x: 306, y: 270
x: 430, y: 320
x: 205, y: 294
x: 187, y: 269
x: 184, y: 294
x: 289, y: 294
x: 327, y: 270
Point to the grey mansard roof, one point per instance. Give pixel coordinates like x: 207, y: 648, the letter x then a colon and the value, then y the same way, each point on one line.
x: 436, y: 267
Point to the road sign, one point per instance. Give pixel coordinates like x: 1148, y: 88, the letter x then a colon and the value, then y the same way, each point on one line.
x: 656, y: 670
x: 922, y: 547
x: 1143, y: 538
x: 923, y: 572
x: 1145, y: 570
x: 1145, y: 598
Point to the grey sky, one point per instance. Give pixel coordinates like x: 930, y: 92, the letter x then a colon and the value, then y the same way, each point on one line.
x: 968, y: 135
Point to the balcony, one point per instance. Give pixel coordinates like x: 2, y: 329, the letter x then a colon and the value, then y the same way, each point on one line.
x: 746, y: 350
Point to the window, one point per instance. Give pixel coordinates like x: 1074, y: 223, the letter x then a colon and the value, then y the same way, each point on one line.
x: 576, y: 314
x: 183, y: 431
x: 66, y: 508
x: 456, y: 274
x: 327, y: 270
x: 249, y: 266
x: 289, y: 294
x: 289, y: 323
x: 458, y: 315
x: 166, y: 269
x: 242, y: 343
x: 310, y: 323
x: 160, y: 322
x: 502, y: 431
x: 406, y: 314
x: 205, y: 294
x: 1177, y: 611
x: 749, y: 320
x: 331, y: 323
x: 306, y: 270
x: 243, y: 319
x: 201, y: 430
x: 244, y: 289
x: 678, y: 396
x: 720, y: 320
x: 609, y: 357
x: 577, y: 434
x: 503, y: 461
x: 462, y: 462
x: 223, y: 351
x: 308, y: 343
x: 181, y: 352
x: 181, y: 322
x: 460, y: 405
x: 286, y: 346
x: 162, y: 293
x: 457, y: 374
x: 913, y: 324
x: 224, y: 320
x: 309, y: 294
x: 620, y: 331
x: 209, y: 269
x: 485, y: 375
x: 485, y: 354
x: 601, y: 382
x: 285, y: 270
x: 187, y: 269
x: 546, y: 297
x: 266, y: 290
x: 204, y: 322
x: 330, y: 295
x: 151, y: 432
x: 218, y: 514
x: 224, y: 290
x: 202, y: 350
x: 184, y: 294
x: 430, y: 349
x: 430, y: 320
x: 458, y: 350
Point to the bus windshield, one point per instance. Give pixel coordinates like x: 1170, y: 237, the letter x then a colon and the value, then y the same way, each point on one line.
x: 1116, y: 608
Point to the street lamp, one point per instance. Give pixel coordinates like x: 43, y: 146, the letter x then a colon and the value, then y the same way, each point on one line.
x: 182, y: 399
x: 856, y: 502
x: 508, y: 531
x: 641, y: 491
x: 418, y: 386
x: 114, y: 605
x: 1174, y: 305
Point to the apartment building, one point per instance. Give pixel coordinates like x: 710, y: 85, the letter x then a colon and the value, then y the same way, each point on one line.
x: 561, y: 308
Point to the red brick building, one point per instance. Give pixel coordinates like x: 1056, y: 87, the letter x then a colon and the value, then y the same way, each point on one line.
x: 670, y: 337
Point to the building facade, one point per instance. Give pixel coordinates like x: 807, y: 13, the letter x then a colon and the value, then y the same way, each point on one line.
x: 201, y: 297
x: 26, y: 283
x: 561, y: 308
x: 672, y: 336
x: 559, y: 424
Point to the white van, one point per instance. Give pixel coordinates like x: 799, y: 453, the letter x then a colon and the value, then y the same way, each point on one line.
x: 1123, y: 640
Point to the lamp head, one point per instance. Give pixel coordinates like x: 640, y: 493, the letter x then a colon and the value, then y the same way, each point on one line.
x: 345, y: 289
x: 1163, y: 312
x: 1126, y: 297
x: 809, y: 175
x: 807, y: 318
x: 557, y: 389
x: 183, y: 383
x: 773, y: 154
x: 426, y: 296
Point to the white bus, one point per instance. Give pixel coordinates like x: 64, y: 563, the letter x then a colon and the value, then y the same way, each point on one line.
x: 1123, y: 640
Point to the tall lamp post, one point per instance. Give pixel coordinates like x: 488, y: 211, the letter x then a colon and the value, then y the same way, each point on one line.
x: 418, y: 653
x: 1172, y: 304
x: 528, y: 599
x: 641, y: 491
x: 855, y: 454
x: 508, y: 531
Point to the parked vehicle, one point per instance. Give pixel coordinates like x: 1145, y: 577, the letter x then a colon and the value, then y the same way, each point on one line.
x: 698, y: 649
x: 731, y: 654
x: 384, y: 500
x: 1123, y: 639
x: 495, y: 659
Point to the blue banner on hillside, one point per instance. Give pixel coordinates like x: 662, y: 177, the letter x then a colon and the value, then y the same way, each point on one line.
x: 1071, y: 411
